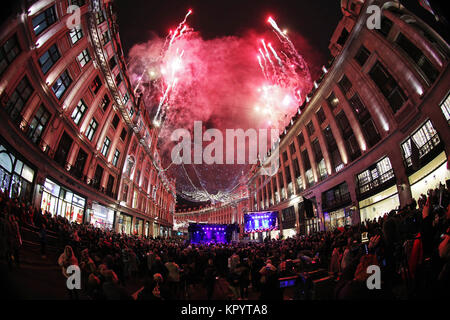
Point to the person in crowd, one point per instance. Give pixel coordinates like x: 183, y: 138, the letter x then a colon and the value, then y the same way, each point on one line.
x: 65, y: 260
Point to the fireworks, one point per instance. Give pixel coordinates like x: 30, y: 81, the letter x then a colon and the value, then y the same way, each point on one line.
x: 230, y: 82
x: 287, y: 81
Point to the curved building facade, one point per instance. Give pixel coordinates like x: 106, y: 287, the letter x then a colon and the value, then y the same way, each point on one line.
x: 374, y: 132
x: 75, y: 139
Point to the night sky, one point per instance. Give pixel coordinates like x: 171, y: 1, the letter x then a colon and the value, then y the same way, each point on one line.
x: 314, y: 20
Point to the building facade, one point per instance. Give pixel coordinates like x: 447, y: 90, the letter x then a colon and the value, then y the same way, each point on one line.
x: 373, y: 133
x: 75, y: 139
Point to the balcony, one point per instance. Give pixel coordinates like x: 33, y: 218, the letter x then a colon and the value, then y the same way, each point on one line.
x: 427, y: 152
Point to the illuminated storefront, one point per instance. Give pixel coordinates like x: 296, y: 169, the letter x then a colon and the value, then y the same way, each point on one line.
x: 60, y: 201
x: 125, y: 224
x: 380, y: 204
x: 430, y: 176
x: 138, y: 227
x: 102, y: 217
x: 16, y: 178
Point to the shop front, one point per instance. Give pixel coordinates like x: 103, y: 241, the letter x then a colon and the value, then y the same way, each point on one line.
x: 429, y: 176
x: 138, y: 227
x: 16, y: 177
x: 125, y: 223
x: 102, y: 217
x: 147, y: 229
x: 338, y: 218
x: 60, y: 201
x: 289, y: 222
x: 155, y: 230
x: 379, y: 204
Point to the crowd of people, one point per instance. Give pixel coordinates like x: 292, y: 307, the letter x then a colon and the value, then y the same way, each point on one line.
x: 410, y: 246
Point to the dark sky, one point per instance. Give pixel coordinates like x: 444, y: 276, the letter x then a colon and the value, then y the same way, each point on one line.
x: 313, y: 19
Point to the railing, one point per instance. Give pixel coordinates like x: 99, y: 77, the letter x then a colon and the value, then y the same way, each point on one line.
x: 425, y: 149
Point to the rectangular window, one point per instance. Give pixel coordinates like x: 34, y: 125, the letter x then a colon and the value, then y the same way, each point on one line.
x: 345, y: 84
x: 96, y: 181
x: 80, y: 162
x: 336, y: 160
x: 125, y: 193
x: 126, y: 97
x: 79, y: 112
x: 116, y: 158
x: 112, y: 63
x: 61, y: 84
x: 38, y: 124
x: 42, y: 21
x: 292, y: 149
x: 63, y: 149
x: 362, y: 55
x: 104, y: 104
x: 425, y: 139
x: 333, y: 101
x: 445, y: 107
x: 123, y: 134
x: 106, y: 37
x: 310, y: 128
x: 118, y: 79
x: 91, y: 129
x: 365, y: 119
x: 8, y: 53
x: 348, y: 136
x: 96, y: 85
x: 375, y: 175
x: 84, y: 57
x: 75, y: 35
x: 115, y: 121
x: 425, y: 66
x: 48, y: 59
x: 79, y: 3
x: 99, y: 17
x: 388, y: 86
x: 105, y: 147
x: 110, y: 186
x: 300, y: 139
x: 386, y: 26
x: 321, y: 115
x: 19, y: 98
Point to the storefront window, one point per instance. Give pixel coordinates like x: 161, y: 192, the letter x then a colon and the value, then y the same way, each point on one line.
x: 125, y: 224
x: 62, y: 202
x: 138, y: 226
x: 102, y: 217
x: 16, y: 178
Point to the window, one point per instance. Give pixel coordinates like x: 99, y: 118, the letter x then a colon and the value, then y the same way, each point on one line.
x: 321, y: 115
x: 116, y: 158
x: 99, y: 17
x: 104, y: 104
x: 112, y: 63
x: 425, y: 139
x: 321, y: 167
x: 123, y: 134
x: 416, y: 55
x: 84, y: 57
x: 125, y: 193
x: 335, y: 156
x: 292, y: 149
x: 80, y: 162
x: 79, y: 3
x: 75, y: 35
x: 42, y: 21
x: 96, y: 181
x: 310, y: 128
x: 445, y: 107
x: 19, y: 98
x: 96, y: 85
x: 61, y: 84
x: 48, y: 59
x: 105, y: 147
x: 374, y: 176
x: 386, y: 26
x: 64, y: 146
x: 343, y: 37
x: 300, y: 139
x: 118, y: 79
x: 362, y: 114
x: 110, y: 186
x: 91, y: 129
x: 126, y: 97
x: 8, y: 53
x: 115, y: 121
x: 106, y: 37
x: 348, y: 136
x: 388, y: 86
x: 79, y: 112
x: 307, y: 167
x: 345, y: 84
x: 38, y: 124
x: 333, y: 101
x: 362, y: 55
